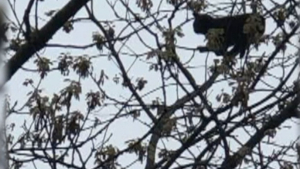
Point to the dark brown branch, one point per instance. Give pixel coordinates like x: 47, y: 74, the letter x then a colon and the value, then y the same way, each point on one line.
x: 42, y: 36
x: 26, y: 20
x: 289, y: 112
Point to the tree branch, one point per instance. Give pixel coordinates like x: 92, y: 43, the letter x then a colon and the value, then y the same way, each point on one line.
x: 274, y: 122
x: 42, y: 36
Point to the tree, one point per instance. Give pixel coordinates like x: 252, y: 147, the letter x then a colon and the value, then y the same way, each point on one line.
x: 121, y: 84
